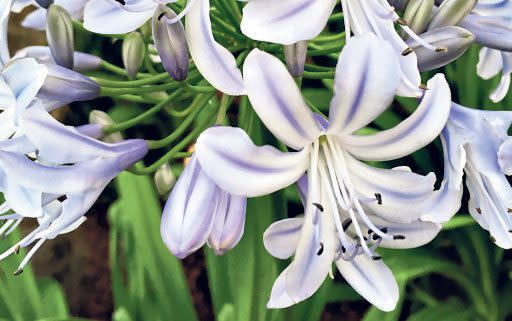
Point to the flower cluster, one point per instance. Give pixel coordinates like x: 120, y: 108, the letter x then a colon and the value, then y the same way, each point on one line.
x: 352, y: 207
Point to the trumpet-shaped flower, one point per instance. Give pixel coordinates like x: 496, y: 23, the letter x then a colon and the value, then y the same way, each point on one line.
x: 476, y: 142
x: 343, y: 191
x: 198, y: 211
x: 42, y: 178
x: 215, y: 62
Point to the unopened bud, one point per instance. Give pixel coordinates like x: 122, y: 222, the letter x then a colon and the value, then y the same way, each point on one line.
x: 418, y: 13
x: 44, y: 3
x: 295, y: 56
x: 399, y: 4
x: 59, y: 34
x: 171, y: 43
x: 451, y: 13
x: 164, y: 179
x: 456, y: 40
x: 133, y: 53
x: 101, y: 118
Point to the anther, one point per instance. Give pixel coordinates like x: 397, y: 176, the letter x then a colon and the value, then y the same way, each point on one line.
x: 319, y: 206
x: 378, y: 196
x: 121, y: 2
x: 321, y: 250
x: 370, y: 231
x: 479, y: 210
x: 343, y: 249
x: 510, y: 231
x: 401, y: 22
x: 161, y: 16
x: 398, y: 237
x: 441, y: 49
x: 18, y: 272
x: 376, y: 258
x: 423, y: 87
x: 375, y: 237
x: 384, y: 230
x: 407, y: 51
x: 17, y: 249
x: 346, y: 224
x: 509, y: 210
x: 493, y: 239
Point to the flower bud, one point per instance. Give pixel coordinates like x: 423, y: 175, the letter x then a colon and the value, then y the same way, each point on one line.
x: 101, y: 118
x: 59, y: 33
x: 399, y: 4
x: 63, y: 86
x: 457, y: 40
x: 44, y: 3
x: 164, y: 179
x: 295, y: 56
x: 418, y: 13
x: 451, y: 13
x: 171, y: 43
x: 133, y: 53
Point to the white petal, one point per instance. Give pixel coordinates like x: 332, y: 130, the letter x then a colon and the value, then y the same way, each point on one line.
x: 5, y: 9
x: 419, y: 129
x: 35, y: 20
x: 278, y: 101
x: 489, y: 64
x: 282, y: 237
x: 505, y: 156
x: 365, y: 85
x: 416, y: 233
x: 216, y: 63
x: 239, y: 167
x: 501, y: 91
x: 372, y: 279
x: 101, y: 16
x: 286, y: 21
x: 83, y: 61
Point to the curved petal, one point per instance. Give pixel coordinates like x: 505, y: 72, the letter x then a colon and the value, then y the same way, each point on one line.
x: 501, y: 91
x: 189, y: 213
x: 419, y: 129
x: 365, y: 85
x: 216, y: 63
x: 83, y: 61
x: 372, y: 279
x: 239, y: 167
x: 102, y: 16
x: 278, y: 101
x: 493, y: 32
x: 35, y: 20
x: 415, y: 233
x: 228, y: 225
x: 403, y: 197
x: 490, y: 63
x: 5, y: 9
x: 282, y: 237
x: 285, y: 22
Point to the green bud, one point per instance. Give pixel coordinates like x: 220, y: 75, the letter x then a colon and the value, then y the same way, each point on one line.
x: 164, y: 179
x: 133, y: 53
x: 451, y: 13
x: 418, y: 13
x: 59, y: 34
x: 98, y: 117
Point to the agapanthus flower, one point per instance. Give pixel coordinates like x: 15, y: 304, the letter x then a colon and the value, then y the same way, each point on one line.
x: 42, y: 178
x: 37, y: 18
x: 476, y: 142
x: 343, y: 191
x: 199, y: 212
x: 216, y: 63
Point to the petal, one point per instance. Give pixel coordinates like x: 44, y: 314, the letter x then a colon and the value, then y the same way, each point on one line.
x: 216, y: 63
x: 418, y: 130
x: 228, y: 223
x: 239, y: 167
x: 501, y: 91
x: 102, y: 16
x: 492, y: 32
x: 372, y: 279
x: 278, y: 101
x: 365, y: 85
x: 285, y: 22
x: 416, y: 233
x: 505, y: 156
x: 188, y: 216
x: 5, y: 9
x: 404, y: 195
x: 490, y: 63
x: 35, y: 20
x: 282, y: 238
x: 311, y: 264
x: 83, y: 61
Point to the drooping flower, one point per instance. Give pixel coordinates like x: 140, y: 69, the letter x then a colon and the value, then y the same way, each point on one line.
x: 476, y: 142
x: 198, y: 211
x: 343, y: 191
x: 216, y: 63
x: 42, y: 178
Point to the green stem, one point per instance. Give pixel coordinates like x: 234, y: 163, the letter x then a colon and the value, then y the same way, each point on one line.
x: 225, y: 102
x: 120, y: 71
x: 133, y: 83
x: 318, y: 74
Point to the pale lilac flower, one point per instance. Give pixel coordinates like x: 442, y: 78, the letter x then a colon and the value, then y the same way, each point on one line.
x: 341, y: 189
x: 198, y: 211
x: 42, y: 177
x: 216, y: 63
x: 37, y: 18
x: 476, y: 142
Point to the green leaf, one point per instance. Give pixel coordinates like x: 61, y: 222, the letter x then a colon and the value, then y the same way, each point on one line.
x: 446, y: 311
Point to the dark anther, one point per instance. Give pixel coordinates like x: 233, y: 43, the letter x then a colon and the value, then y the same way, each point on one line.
x: 370, y: 231
x: 17, y: 249
x: 343, y: 249
x: 493, y: 239
x: 121, y: 2
x: 346, y: 224
x: 375, y: 237
x: 161, y: 16
x: 509, y: 210
x: 398, y: 237
x: 384, y: 230
x: 378, y: 196
x: 365, y: 238
x: 321, y: 250
x: 407, y: 51
x: 441, y: 49
x: 510, y: 231
x: 18, y: 272
x: 319, y: 206
x: 62, y: 198
x: 423, y: 87
x: 376, y: 258
x: 479, y: 210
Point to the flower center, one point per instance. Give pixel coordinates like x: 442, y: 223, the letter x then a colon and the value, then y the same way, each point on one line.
x: 331, y: 183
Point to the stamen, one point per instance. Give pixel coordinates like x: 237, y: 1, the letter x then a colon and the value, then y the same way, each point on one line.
x: 31, y: 253
x: 376, y: 258
x: 18, y: 272
x: 479, y: 210
x: 407, y: 51
x: 321, y: 250
x: 378, y: 196
x: 398, y: 237
x: 346, y: 224
x: 319, y: 206
x: 181, y: 14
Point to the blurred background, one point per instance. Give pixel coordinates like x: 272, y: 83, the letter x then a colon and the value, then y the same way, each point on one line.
x: 116, y: 267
